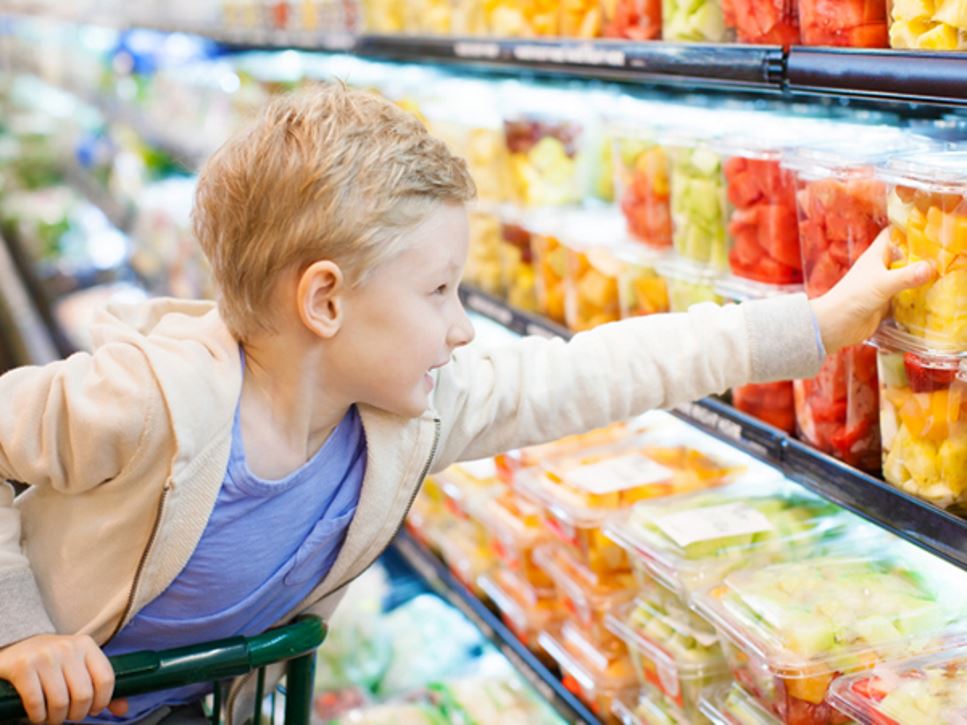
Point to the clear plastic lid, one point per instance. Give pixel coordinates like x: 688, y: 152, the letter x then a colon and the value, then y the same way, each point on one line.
x: 586, y: 231
x: 669, y: 638
x: 584, y: 487
x: 890, y: 338
x: 525, y: 607
x: 691, y: 542
x: 772, y: 136
x: 514, y: 520
x: 863, y: 149
x: 585, y: 667
x: 931, y: 689
x: 469, y: 484
x: 740, y: 289
x: 839, y: 614
x: 649, y: 707
x: 732, y: 705
x: 683, y: 270
x: 943, y: 172
x: 590, y: 594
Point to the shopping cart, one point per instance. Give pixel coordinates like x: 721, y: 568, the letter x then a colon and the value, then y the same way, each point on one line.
x: 216, y: 662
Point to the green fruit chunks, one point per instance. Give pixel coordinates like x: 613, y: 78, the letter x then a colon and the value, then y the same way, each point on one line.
x: 693, y: 20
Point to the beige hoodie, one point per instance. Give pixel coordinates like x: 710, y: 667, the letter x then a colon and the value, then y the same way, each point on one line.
x: 125, y: 449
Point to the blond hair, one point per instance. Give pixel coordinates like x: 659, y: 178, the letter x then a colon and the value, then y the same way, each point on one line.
x: 324, y: 173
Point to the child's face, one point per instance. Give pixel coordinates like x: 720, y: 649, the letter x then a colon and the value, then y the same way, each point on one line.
x: 406, y: 318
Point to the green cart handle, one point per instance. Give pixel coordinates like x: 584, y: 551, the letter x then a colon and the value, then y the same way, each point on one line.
x: 149, y: 671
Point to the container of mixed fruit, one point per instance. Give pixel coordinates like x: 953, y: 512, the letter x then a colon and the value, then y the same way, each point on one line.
x: 669, y: 650
x: 791, y: 630
x: 648, y: 706
x: 732, y: 705
x: 596, y: 675
x: 927, y: 211
x: 543, y: 159
x: 930, y: 689
x: 642, y: 184
x: 632, y: 19
x: 688, y: 284
x: 923, y: 418
x: 690, y: 543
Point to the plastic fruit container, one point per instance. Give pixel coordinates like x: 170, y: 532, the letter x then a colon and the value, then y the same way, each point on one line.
x: 688, y: 284
x: 550, y: 260
x: 466, y: 484
x: 641, y: 288
x: 581, y: 18
x: 841, y: 204
x: 668, y: 653
x: 773, y: 403
x: 849, y: 23
x: 585, y: 596
x: 699, y: 205
x: 700, y: 22
x: 484, y: 269
x: 790, y: 630
x: 690, y: 543
x: 931, y: 689
x: 526, y: 610
x: 923, y: 418
x: 517, y: 264
x: 542, y: 157
x: 598, y: 678
x: 838, y: 410
x: 732, y: 705
x: 643, y: 186
x: 763, y: 226
x: 427, y: 17
x: 592, y: 270
x: 632, y: 19
x: 647, y: 707
x: 763, y: 22
x: 469, y: 17
x: 927, y: 209
x: 928, y: 24
x: 523, y: 18
x: 516, y: 528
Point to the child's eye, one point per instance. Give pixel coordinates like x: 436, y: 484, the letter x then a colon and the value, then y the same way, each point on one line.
x: 441, y: 290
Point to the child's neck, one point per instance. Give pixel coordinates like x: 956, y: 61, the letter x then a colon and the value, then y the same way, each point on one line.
x: 287, y: 410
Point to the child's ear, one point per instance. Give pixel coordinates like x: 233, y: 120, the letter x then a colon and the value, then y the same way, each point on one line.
x: 319, y: 298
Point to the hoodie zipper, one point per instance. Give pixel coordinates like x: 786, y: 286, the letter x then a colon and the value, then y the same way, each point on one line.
x: 144, y: 557
x: 237, y: 687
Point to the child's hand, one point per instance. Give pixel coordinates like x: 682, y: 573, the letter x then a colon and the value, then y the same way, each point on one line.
x: 60, y: 677
x: 852, y: 310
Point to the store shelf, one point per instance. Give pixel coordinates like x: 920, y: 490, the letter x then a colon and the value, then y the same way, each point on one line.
x: 917, y: 521
x: 81, y: 180
x: 24, y: 336
x: 438, y: 576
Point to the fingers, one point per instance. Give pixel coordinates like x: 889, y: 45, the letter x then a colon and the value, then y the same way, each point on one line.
x: 32, y: 695
x: 80, y: 689
x: 56, y: 693
x: 908, y: 277
x: 102, y: 678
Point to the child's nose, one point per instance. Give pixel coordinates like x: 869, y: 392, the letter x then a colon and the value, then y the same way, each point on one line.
x: 462, y: 332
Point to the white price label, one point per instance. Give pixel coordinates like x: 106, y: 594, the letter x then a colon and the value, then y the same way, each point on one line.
x: 714, y: 522
x: 617, y: 474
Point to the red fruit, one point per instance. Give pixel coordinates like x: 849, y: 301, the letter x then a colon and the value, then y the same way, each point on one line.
x: 927, y: 379
x: 779, y: 234
x: 870, y: 688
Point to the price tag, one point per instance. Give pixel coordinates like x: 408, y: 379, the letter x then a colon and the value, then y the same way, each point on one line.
x: 714, y: 522
x: 618, y: 474
x: 539, y: 330
x: 470, y: 49
x: 490, y: 309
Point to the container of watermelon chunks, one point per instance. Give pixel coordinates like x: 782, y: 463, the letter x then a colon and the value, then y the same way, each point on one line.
x: 763, y: 22
x: 931, y: 689
x: 632, y: 19
x: 844, y: 23
x: 841, y: 207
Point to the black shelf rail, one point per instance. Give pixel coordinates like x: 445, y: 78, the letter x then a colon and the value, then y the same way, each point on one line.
x: 929, y: 527
x: 881, y: 75
x: 439, y: 577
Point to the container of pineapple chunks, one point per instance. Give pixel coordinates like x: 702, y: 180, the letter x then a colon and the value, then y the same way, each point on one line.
x: 689, y: 543
x: 923, y: 418
x: 931, y: 689
x: 790, y: 630
x: 661, y: 456
x: 927, y: 211
x: 928, y: 24
x: 669, y: 650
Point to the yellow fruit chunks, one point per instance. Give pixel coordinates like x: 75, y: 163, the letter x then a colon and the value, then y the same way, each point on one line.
x: 484, y: 151
x: 580, y: 18
x: 937, y: 311
x: 522, y: 18
x: 432, y: 17
x: 928, y: 455
x: 384, y: 16
x: 484, y: 267
x: 592, y: 290
x: 545, y: 175
x: 929, y: 24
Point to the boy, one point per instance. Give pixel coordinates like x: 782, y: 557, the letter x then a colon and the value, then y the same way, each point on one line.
x: 212, y: 471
